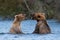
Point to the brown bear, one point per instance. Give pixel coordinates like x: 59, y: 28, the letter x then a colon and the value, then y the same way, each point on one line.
x: 41, y: 27
x: 16, y: 29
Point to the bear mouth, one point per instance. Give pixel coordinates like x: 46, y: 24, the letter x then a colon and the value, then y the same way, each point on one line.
x: 38, y: 16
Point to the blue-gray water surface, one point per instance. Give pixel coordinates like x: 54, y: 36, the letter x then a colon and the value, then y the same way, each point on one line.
x: 28, y: 27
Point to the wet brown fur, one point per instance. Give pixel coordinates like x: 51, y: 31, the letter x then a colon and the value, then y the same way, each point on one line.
x: 41, y: 27
x: 15, y: 29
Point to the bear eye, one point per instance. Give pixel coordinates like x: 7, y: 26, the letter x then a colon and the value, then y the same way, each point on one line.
x: 39, y: 16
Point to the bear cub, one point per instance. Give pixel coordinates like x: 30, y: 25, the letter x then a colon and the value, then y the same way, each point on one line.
x: 41, y: 27
x: 16, y: 29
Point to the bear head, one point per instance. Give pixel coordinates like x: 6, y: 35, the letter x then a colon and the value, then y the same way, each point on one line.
x: 20, y: 17
x: 38, y: 16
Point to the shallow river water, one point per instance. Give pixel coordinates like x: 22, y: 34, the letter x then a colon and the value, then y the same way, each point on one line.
x: 28, y: 27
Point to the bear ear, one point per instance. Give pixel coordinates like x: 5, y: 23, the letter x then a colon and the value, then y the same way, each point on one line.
x: 16, y: 16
